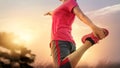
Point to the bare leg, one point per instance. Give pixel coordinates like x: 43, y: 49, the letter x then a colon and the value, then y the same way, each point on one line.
x: 75, y: 56
x: 62, y: 55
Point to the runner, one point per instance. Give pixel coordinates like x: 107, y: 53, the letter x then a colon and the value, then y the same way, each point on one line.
x: 62, y: 44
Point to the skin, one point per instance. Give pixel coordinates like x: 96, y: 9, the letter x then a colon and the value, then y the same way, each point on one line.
x: 98, y: 32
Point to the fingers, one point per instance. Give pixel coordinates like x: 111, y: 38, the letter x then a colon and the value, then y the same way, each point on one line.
x: 46, y: 14
x: 96, y: 35
x: 106, y: 32
x: 101, y: 33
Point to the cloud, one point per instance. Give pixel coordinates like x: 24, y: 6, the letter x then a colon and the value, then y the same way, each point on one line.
x: 105, y: 10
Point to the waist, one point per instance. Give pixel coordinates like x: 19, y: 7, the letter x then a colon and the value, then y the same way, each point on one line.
x: 62, y: 36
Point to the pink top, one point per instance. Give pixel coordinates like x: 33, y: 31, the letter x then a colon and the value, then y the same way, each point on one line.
x: 62, y: 20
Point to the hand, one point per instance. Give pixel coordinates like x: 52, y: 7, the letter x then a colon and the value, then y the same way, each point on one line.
x: 48, y: 13
x: 99, y: 32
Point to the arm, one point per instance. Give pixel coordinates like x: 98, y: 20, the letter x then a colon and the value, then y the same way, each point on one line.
x: 99, y: 32
x: 83, y: 17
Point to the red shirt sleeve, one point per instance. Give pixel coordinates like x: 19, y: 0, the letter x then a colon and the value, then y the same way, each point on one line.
x: 71, y: 4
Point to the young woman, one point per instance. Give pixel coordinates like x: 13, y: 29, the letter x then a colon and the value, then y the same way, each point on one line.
x: 62, y: 44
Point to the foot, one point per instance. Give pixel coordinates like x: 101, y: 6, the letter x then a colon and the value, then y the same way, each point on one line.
x: 92, y: 38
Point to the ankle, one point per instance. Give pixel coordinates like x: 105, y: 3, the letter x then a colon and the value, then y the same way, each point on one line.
x: 88, y: 43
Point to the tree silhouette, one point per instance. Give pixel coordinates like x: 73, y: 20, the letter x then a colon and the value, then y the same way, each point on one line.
x: 21, y: 59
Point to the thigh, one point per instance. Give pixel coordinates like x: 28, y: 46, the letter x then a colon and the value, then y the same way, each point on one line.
x: 59, y: 50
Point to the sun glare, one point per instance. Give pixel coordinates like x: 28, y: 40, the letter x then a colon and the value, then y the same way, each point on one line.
x: 26, y: 37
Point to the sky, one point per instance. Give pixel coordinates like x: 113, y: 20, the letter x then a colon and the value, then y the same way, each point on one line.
x: 26, y: 18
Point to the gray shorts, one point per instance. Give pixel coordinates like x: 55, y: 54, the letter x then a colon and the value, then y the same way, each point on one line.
x: 61, y: 49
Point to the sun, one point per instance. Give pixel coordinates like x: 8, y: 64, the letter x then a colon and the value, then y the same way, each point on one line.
x: 23, y: 37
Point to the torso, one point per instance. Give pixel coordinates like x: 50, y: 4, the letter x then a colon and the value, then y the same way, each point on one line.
x: 63, y: 18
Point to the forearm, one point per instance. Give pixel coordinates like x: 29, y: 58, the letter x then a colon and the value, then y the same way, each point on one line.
x: 83, y: 17
x: 87, y: 21
x: 98, y: 32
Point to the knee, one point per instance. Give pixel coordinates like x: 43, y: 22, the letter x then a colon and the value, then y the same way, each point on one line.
x: 65, y: 64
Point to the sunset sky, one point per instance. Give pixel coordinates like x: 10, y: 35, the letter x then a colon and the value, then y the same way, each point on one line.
x: 26, y: 19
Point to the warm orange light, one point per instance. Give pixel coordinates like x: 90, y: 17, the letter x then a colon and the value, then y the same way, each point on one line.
x: 24, y: 38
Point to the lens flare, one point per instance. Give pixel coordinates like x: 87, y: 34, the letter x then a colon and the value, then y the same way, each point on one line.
x: 24, y: 38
